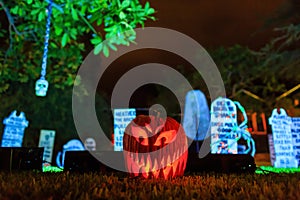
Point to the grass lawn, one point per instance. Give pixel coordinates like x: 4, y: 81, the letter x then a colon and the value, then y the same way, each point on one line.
x: 66, y: 185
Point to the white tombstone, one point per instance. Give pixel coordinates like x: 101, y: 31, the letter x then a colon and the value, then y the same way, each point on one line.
x: 90, y: 144
x: 47, y: 141
x: 72, y: 145
x: 14, y: 130
x: 295, y: 129
x: 122, y: 117
x: 282, y: 139
x: 223, y: 121
x: 196, y: 115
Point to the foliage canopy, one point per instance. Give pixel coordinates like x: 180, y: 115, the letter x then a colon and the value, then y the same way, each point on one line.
x: 76, y: 27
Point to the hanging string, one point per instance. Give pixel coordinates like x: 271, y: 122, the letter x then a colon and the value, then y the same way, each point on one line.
x: 45, y: 55
x: 41, y: 85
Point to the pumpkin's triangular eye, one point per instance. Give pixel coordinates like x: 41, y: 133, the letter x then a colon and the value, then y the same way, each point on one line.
x: 166, y: 136
x: 140, y: 135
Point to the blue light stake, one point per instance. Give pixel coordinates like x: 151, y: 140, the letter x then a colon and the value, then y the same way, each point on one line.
x: 41, y: 85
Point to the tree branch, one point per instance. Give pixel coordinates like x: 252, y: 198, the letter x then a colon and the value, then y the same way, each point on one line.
x: 9, y: 18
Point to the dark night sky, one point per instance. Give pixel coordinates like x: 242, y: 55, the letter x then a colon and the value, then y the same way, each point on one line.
x: 213, y: 23
x: 216, y: 23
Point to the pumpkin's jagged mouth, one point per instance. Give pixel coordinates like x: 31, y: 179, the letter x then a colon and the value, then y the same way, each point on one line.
x: 155, y: 164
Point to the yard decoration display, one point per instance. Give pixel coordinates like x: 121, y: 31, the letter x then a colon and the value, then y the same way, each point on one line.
x: 72, y: 145
x: 155, y: 147
x: 196, y: 115
x: 283, y: 140
x: 225, y: 131
x: 14, y: 129
x: 122, y: 117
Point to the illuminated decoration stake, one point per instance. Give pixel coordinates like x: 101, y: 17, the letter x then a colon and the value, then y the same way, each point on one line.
x: 196, y: 115
x: 226, y: 132
x: 122, y: 117
x: 47, y: 141
x: 41, y: 85
x: 282, y: 139
x: 14, y: 130
x: 72, y: 145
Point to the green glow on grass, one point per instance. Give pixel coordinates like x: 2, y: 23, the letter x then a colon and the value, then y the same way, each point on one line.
x: 270, y: 169
x: 260, y: 170
x: 52, y: 169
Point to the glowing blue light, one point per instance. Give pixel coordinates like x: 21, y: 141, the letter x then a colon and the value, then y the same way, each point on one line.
x: 72, y: 145
x: 225, y: 131
x: 14, y: 130
x: 122, y: 117
x: 282, y: 139
x: 196, y: 115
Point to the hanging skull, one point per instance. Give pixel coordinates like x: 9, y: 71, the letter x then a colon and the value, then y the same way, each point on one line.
x: 90, y: 144
x: 41, y: 87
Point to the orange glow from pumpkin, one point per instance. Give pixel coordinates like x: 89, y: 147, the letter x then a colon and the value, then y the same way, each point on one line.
x: 155, y: 150
x: 169, y: 137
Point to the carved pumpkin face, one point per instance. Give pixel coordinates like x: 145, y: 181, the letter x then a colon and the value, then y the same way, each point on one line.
x: 155, y: 148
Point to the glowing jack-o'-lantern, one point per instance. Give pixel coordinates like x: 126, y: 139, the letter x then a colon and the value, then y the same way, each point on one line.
x: 155, y: 147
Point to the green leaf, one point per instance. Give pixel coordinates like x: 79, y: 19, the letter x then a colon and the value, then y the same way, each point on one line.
x: 58, y: 30
x: 147, y: 5
x: 122, y: 15
x: 112, y: 46
x: 98, y: 48
x: 99, y: 21
x: 96, y: 40
x: 14, y: 10
x: 105, y: 51
x: 125, y: 3
x: 41, y: 16
x: 74, y: 14
x: 64, y: 39
x: 73, y: 33
x: 34, y: 12
x: 150, y: 11
x: 29, y: 1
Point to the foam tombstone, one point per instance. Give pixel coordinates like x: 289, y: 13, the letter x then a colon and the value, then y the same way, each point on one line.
x: 155, y: 147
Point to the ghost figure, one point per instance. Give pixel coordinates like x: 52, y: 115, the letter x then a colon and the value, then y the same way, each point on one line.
x: 196, y: 116
x: 72, y: 145
x: 90, y: 144
x: 41, y: 87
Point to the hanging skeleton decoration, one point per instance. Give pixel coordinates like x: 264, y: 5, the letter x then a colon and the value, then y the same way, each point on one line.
x: 41, y: 85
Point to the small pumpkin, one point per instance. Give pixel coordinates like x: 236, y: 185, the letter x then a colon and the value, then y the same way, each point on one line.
x: 155, y: 147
